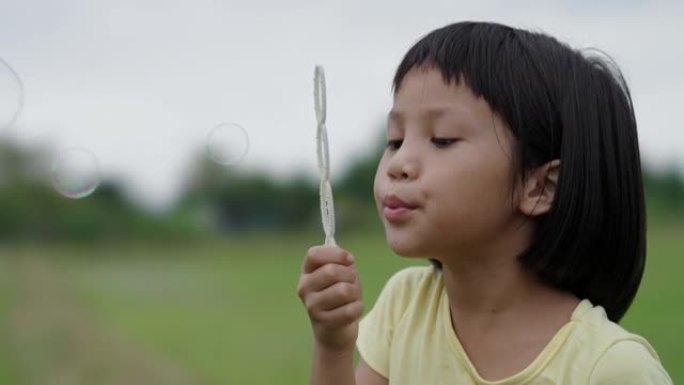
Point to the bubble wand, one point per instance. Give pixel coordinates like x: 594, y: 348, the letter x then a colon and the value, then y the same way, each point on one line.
x: 325, y: 190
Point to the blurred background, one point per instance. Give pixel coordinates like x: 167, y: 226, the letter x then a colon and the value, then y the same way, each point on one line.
x: 159, y: 187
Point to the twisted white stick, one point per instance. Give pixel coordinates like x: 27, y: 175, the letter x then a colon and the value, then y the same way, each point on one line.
x: 325, y: 191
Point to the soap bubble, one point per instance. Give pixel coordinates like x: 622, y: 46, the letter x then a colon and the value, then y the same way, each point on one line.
x: 11, y: 95
x: 227, y: 144
x: 75, y: 173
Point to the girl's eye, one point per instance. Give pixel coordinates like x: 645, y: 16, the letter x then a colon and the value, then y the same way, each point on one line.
x: 443, y: 142
x: 394, y: 144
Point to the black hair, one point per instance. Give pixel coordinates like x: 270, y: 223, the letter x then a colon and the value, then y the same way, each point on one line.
x: 559, y: 103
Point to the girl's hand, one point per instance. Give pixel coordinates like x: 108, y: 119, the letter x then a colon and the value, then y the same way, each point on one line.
x: 330, y: 289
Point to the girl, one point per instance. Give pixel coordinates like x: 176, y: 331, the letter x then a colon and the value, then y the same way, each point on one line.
x: 512, y: 163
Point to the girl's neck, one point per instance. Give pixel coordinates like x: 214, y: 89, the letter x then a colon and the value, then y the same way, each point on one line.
x: 490, y: 282
x: 502, y: 314
x: 504, y: 300
x: 488, y: 288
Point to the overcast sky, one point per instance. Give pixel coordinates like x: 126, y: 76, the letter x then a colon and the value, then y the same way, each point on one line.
x: 141, y: 83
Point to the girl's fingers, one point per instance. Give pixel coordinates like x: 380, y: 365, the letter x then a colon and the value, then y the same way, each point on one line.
x: 311, y: 285
x: 330, y: 289
x: 318, y: 256
x: 328, y: 275
x: 337, y: 295
x: 343, y: 315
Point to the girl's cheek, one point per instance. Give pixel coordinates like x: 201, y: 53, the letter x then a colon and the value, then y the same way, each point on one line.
x: 377, y: 182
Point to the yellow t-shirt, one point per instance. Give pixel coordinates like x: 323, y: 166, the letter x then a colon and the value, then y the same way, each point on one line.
x: 408, y: 338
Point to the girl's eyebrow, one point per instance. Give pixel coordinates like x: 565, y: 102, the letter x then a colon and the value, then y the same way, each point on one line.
x: 429, y: 115
x: 395, y: 115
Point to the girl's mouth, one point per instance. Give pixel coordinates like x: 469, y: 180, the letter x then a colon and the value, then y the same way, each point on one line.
x: 396, y: 209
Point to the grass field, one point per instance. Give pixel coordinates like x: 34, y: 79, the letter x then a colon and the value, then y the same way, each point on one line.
x: 221, y: 311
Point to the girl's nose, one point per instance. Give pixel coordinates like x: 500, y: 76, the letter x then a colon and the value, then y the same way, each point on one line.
x: 402, y: 165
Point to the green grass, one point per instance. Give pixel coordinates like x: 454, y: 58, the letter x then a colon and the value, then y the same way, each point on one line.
x: 657, y: 313
x: 226, y: 310
x: 8, y: 374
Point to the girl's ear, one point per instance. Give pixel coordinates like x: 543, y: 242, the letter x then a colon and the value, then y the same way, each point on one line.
x: 539, y: 189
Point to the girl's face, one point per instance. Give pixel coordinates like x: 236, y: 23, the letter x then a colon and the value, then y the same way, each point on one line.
x: 444, y: 181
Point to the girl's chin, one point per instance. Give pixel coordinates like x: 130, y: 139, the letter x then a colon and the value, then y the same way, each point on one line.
x: 404, y: 248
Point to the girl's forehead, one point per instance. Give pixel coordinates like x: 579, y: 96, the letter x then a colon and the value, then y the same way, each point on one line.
x: 424, y: 92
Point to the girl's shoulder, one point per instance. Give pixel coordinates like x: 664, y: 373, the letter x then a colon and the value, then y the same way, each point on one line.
x: 628, y: 362
x: 593, y: 325
x: 613, y: 353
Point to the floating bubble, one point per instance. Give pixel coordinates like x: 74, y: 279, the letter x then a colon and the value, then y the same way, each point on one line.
x: 227, y: 144
x: 75, y: 173
x: 11, y: 95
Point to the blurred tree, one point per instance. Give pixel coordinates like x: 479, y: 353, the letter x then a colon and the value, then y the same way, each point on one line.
x: 232, y: 200
x: 357, y: 181
x: 354, y: 199
x: 665, y: 193
x: 31, y: 210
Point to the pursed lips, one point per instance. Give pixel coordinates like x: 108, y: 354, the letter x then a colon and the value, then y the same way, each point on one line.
x: 395, y: 208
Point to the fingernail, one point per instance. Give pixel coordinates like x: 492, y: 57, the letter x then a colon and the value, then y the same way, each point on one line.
x: 350, y: 258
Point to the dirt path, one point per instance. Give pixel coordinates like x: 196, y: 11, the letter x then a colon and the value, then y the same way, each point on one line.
x: 56, y: 342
